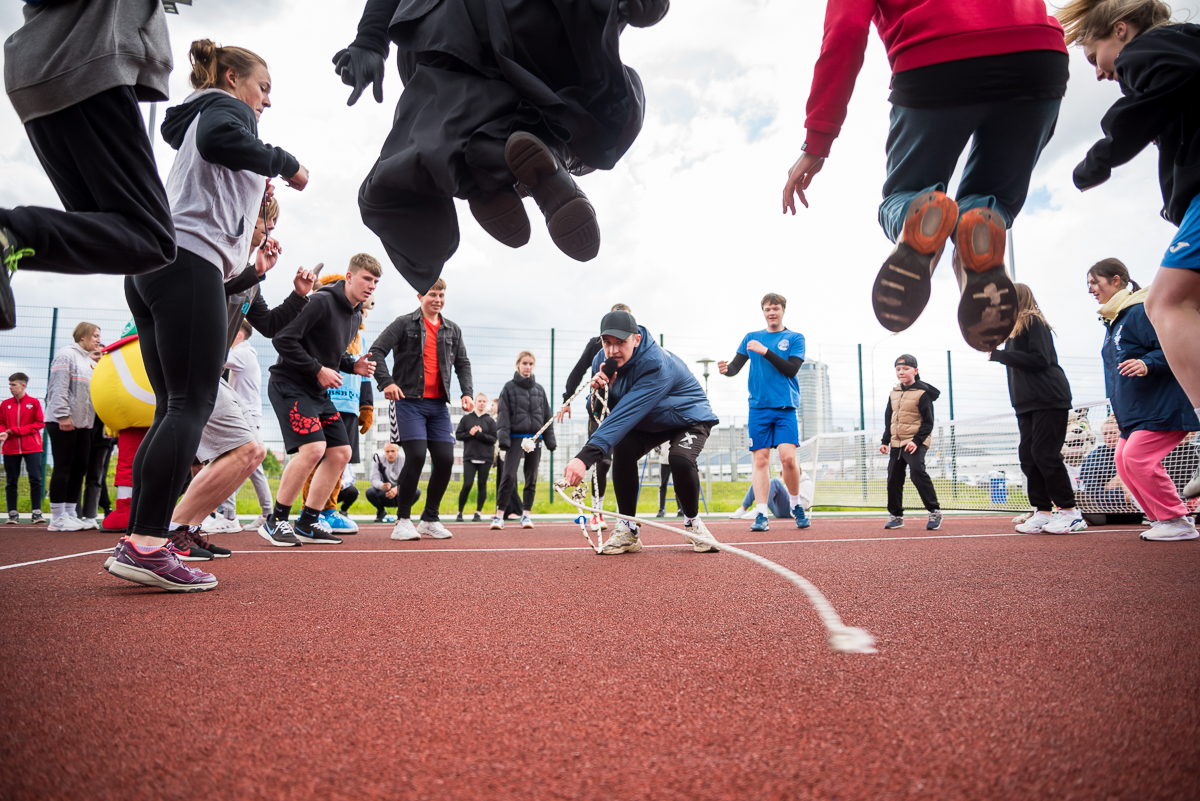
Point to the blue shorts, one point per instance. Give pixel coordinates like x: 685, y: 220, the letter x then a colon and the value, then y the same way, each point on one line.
x: 1184, y: 251
x: 421, y: 418
x: 770, y: 428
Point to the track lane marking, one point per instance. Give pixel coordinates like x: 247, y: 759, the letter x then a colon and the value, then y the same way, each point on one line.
x: 56, y: 558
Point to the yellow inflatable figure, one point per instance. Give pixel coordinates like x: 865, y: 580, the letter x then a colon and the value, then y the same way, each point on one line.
x: 124, y: 401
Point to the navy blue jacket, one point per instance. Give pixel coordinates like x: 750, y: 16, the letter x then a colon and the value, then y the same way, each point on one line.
x: 654, y: 391
x: 1155, y: 401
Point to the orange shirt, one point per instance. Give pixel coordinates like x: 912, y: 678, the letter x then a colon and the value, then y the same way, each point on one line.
x: 433, y: 375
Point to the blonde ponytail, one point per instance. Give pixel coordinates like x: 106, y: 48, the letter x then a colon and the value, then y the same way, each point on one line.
x: 210, y: 62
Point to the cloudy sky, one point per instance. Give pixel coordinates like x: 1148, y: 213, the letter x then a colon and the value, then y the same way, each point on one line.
x: 692, y: 233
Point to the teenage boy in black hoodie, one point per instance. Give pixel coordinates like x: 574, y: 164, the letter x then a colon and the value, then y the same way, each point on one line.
x: 312, y: 351
x: 907, y: 424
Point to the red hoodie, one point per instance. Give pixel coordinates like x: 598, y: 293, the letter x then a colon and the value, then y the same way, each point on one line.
x: 22, y: 419
x: 917, y: 33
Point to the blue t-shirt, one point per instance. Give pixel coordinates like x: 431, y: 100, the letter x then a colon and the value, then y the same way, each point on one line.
x: 345, y: 398
x: 769, y: 388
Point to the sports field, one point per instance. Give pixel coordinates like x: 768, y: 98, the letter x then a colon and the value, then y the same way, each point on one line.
x: 521, y: 665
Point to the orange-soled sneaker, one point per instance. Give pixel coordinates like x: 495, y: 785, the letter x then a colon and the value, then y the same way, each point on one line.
x: 987, y: 311
x: 903, y: 285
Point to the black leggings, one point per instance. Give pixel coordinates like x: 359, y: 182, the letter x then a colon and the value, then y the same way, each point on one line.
x: 626, y: 475
x: 664, y: 480
x: 474, y: 474
x: 441, y: 454
x: 180, y: 316
x: 508, y: 475
x: 71, y: 450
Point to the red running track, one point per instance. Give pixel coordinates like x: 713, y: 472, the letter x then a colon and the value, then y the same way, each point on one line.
x: 518, y: 665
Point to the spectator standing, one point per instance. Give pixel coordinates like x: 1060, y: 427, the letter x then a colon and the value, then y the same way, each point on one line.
x: 70, y: 417
x: 524, y: 408
x: 907, y: 424
x: 95, y: 489
x: 477, y: 432
x: 21, y: 424
x: 1041, y: 398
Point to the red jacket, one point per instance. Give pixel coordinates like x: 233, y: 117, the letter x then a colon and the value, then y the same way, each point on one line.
x: 917, y: 33
x: 23, y: 421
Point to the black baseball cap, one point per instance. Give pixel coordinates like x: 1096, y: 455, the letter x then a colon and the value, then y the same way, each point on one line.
x: 619, y: 324
x: 908, y: 359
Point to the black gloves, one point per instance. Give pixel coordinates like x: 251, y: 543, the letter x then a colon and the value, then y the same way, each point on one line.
x: 358, y: 67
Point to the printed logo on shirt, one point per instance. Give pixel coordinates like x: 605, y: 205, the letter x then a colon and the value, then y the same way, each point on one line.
x: 245, y: 307
x: 687, y: 440
x: 1179, y: 247
x: 1117, y: 336
x: 783, y: 344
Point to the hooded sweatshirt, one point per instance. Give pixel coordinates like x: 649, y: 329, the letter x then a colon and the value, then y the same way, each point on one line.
x: 1036, y: 382
x: 70, y: 390
x: 216, y: 184
x: 317, y: 338
x: 69, y: 51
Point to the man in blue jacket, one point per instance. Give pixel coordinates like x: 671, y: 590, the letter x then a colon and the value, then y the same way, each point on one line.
x: 653, y: 399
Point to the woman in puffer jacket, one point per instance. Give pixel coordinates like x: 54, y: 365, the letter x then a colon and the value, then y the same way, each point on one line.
x: 69, y: 419
x: 524, y: 408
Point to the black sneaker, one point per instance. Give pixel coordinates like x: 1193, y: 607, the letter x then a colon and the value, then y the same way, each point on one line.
x: 198, y: 538
x: 10, y: 253
x: 278, y: 533
x: 478, y: 518
x: 378, y: 518
x: 185, y: 549
x: 315, y: 534
x: 458, y: 518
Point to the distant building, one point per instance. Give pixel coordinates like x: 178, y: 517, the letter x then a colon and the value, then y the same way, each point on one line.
x: 815, y: 414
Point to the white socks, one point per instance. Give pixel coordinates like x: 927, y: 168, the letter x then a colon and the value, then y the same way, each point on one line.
x: 69, y: 509
x: 57, y: 510
x: 793, y: 501
x: 762, y: 509
x: 688, y: 521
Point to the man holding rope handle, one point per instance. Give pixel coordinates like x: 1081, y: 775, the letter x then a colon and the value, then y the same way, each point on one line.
x: 653, y: 399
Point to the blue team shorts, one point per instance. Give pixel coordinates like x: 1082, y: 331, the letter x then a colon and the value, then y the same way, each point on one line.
x: 1184, y: 251
x: 421, y: 418
x: 770, y: 428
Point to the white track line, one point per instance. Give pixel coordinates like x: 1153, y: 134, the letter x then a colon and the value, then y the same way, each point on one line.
x: 55, y: 558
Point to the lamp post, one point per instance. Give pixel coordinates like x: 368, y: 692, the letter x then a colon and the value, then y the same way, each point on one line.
x: 706, y: 363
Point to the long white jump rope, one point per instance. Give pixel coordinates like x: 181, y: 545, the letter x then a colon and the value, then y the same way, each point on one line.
x: 842, y: 638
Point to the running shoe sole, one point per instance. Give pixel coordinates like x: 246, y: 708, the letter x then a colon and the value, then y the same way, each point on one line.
x: 570, y: 217
x: 904, y: 283
x: 987, y: 310
x: 149, y: 578
x: 503, y: 217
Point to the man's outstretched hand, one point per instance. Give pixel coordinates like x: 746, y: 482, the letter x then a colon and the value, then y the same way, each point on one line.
x: 799, y: 177
x: 359, y: 67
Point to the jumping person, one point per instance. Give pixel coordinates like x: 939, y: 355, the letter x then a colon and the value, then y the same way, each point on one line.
x: 1157, y: 64
x: 654, y: 400
x: 775, y: 355
x: 993, y: 74
x: 216, y: 188
x: 312, y: 353
x: 477, y: 432
x: 75, y: 73
x: 907, y: 424
x: 1041, y: 399
x: 583, y: 367
x: 494, y: 95
x: 424, y: 347
x: 69, y: 425
x: 1151, y: 407
x: 21, y: 424
x: 524, y: 408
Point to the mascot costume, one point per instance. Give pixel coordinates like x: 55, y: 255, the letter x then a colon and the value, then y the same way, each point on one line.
x: 501, y: 100
x: 124, y: 401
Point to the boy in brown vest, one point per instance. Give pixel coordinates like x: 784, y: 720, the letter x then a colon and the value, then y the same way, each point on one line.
x: 907, y: 423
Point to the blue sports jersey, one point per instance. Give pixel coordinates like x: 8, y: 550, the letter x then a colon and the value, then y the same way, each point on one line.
x: 346, y: 397
x: 769, y: 388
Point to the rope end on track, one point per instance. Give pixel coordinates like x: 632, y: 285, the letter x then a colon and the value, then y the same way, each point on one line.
x: 849, y: 640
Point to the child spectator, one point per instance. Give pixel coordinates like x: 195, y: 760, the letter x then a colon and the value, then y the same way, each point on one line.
x: 524, y: 408
x: 477, y: 432
x: 907, y: 424
x: 312, y: 353
x: 70, y: 417
x: 1041, y: 398
x: 385, y: 477
x: 21, y: 425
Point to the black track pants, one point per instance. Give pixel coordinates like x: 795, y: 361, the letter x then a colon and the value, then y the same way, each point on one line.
x: 1040, y: 452
x: 441, y: 456
x: 71, y: 450
x: 508, y: 475
x: 474, y: 474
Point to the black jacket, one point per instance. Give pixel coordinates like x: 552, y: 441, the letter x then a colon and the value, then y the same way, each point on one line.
x: 1159, y: 74
x: 227, y: 135
x: 405, y: 338
x: 524, y: 408
x: 584, y: 365
x: 317, y: 338
x: 244, y: 301
x: 477, y: 446
x: 1035, y: 381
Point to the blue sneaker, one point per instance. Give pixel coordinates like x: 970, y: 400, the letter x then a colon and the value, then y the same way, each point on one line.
x: 802, y: 520
x: 338, y: 522
x: 760, y: 523
x: 390, y: 519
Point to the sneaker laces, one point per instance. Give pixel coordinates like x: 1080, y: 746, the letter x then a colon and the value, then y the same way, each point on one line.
x: 197, y: 536
x: 14, y: 256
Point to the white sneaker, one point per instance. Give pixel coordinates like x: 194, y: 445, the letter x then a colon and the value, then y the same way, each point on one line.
x: 254, y: 526
x: 1035, y: 524
x: 88, y: 523
x: 220, y: 525
x: 1065, y: 523
x: 526, y: 521
x: 497, y: 524
x: 404, y: 530
x: 741, y: 514
x: 698, y: 527
x: 1179, y: 528
x: 623, y: 540
x: 65, y: 523
x: 434, y: 529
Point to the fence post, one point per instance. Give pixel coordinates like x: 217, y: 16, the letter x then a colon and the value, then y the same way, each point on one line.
x: 550, y: 483
x: 953, y: 441
x: 862, y: 426
x: 49, y: 361
x: 708, y: 478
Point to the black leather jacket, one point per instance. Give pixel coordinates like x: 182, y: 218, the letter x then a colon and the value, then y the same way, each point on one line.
x: 405, y: 339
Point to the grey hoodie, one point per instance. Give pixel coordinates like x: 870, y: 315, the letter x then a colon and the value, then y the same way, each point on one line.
x: 70, y: 390
x: 69, y: 51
